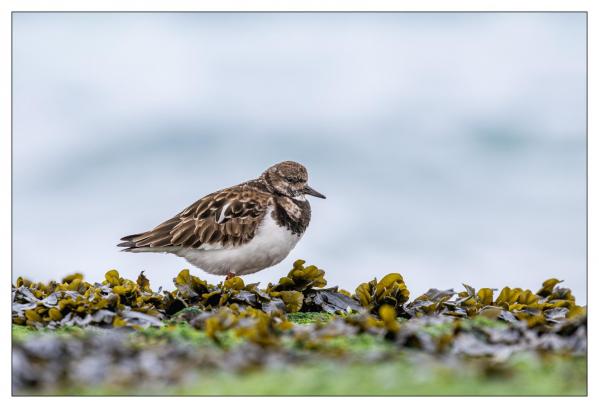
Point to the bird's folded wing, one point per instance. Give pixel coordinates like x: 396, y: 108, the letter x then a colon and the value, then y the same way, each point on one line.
x: 223, y: 219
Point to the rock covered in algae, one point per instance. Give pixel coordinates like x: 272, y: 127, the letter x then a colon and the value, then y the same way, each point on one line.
x: 118, y: 301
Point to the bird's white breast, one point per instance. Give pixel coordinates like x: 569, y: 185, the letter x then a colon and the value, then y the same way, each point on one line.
x: 270, y: 245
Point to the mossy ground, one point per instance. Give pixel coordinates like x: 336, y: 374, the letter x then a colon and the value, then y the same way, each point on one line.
x: 309, y: 317
x: 411, y: 373
x: 524, y: 377
x: 559, y: 377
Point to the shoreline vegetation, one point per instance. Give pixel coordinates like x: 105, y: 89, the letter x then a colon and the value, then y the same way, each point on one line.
x: 298, y: 336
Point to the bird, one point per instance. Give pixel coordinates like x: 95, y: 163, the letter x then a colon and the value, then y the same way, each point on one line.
x: 238, y: 230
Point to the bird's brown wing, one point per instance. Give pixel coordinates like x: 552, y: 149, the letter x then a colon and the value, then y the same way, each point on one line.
x: 226, y: 218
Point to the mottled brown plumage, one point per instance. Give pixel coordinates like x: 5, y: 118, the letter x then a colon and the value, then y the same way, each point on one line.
x: 231, y: 217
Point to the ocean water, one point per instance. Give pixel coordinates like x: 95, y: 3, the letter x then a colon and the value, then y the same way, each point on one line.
x: 451, y: 147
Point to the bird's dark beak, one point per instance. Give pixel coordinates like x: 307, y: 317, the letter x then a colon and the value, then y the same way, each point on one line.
x: 310, y: 191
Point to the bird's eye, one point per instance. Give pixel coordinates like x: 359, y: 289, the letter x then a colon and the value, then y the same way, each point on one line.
x: 290, y: 179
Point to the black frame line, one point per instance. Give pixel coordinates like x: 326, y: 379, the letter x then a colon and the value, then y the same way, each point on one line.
x: 298, y: 12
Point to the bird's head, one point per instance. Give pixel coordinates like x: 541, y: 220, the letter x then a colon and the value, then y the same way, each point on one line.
x: 290, y: 179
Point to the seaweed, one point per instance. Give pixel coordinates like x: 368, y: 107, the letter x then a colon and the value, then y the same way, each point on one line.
x: 237, y: 326
x: 118, y: 301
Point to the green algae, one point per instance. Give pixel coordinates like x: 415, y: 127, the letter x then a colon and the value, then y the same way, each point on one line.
x: 309, y: 317
x: 404, y: 377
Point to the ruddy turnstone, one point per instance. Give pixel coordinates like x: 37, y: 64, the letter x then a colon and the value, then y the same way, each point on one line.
x: 238, y: 230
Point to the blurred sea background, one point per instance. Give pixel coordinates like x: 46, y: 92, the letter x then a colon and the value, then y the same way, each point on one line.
x: 451, y: 147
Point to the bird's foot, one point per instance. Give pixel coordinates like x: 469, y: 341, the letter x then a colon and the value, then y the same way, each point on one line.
x: 230, y: 275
